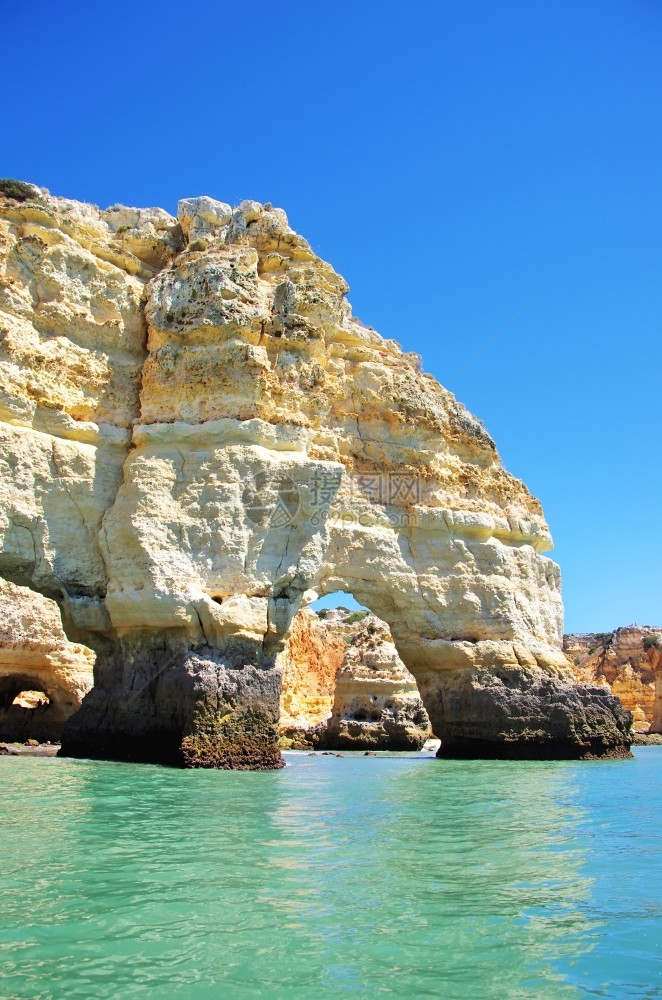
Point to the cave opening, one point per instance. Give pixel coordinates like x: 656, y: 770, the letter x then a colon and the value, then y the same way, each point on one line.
x: 27, y: 711
x: 344, y: 684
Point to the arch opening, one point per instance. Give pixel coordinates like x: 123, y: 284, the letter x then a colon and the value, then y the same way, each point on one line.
x: 344, y: 684
x: 31, y: 699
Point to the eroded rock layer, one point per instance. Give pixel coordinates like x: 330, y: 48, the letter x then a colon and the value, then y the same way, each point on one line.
x: 346, y: 688
x: 198, y: 436
x: 628, y: 661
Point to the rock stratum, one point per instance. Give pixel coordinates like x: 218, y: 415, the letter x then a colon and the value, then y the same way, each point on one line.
x: 345, y: 687
x: 199, y: 438
x: 629, y: 662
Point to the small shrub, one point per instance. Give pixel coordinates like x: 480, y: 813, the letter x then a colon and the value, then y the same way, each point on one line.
x: 650, y: 641
x: 592, y: 650
x: 322, y: 613
x: 576, y: 661
x: 18, y: 190
x: 347, y: 639
x: 358, y: 616
x: 198, y: 245
x: 123, y: 229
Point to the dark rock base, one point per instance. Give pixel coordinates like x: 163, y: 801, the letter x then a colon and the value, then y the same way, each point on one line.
x: 353, y: 735
x: 524, y: 714
x: 160, y: 700
x: 189, y: 752
x: 246, y: 755
x: 361, y: 737
x: 149, y: 749
x: 41, y: 724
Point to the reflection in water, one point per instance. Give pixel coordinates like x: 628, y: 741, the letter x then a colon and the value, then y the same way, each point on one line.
x: 378, y: 876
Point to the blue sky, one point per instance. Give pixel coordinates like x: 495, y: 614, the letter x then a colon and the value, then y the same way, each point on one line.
x: 452, y: 161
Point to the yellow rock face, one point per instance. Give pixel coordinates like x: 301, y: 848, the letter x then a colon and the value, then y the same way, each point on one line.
x: 627, y: 661
x: 310, y: 661
x: 198, y: 438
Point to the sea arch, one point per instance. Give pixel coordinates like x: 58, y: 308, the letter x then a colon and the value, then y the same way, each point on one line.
x: 200, y: 607
x: 244, y: 441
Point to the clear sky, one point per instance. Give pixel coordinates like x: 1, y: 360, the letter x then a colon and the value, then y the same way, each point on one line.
x: 452, y: 160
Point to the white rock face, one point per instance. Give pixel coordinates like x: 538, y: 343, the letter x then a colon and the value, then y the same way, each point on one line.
x: 200, y: 437
x: 200, y: 216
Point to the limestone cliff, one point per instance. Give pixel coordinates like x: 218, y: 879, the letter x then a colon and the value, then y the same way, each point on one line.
x: 346, y: 688
x: 35, y: 655
x: 655, y: 657
x: 310, y: 661
x: 627, y: 660
x: 198, y: 436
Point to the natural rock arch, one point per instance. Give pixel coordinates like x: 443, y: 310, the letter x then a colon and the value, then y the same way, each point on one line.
x: 475, y: 615
x: 213, y: 425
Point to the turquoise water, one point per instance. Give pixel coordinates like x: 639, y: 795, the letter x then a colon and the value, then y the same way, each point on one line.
x: 360, y: 877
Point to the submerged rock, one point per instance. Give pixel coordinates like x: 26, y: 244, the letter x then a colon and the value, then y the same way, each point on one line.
x: 647, y: 739
x: 198, y: 438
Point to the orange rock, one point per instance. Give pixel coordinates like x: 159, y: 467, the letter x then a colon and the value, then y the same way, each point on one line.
x: 627, y: 661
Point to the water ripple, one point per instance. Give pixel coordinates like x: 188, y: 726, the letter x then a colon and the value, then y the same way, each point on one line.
x: 399, y: 877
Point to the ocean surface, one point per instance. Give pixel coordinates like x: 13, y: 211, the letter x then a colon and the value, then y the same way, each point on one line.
x: 396, y: 876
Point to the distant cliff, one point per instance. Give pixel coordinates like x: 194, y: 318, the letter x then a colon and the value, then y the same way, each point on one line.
x: 629, y: 661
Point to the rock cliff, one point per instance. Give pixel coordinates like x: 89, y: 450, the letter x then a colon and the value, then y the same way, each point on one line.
x: 198, y: 437
x: 628, y: 661
x: 655, y: 657
x: 346, y: 688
